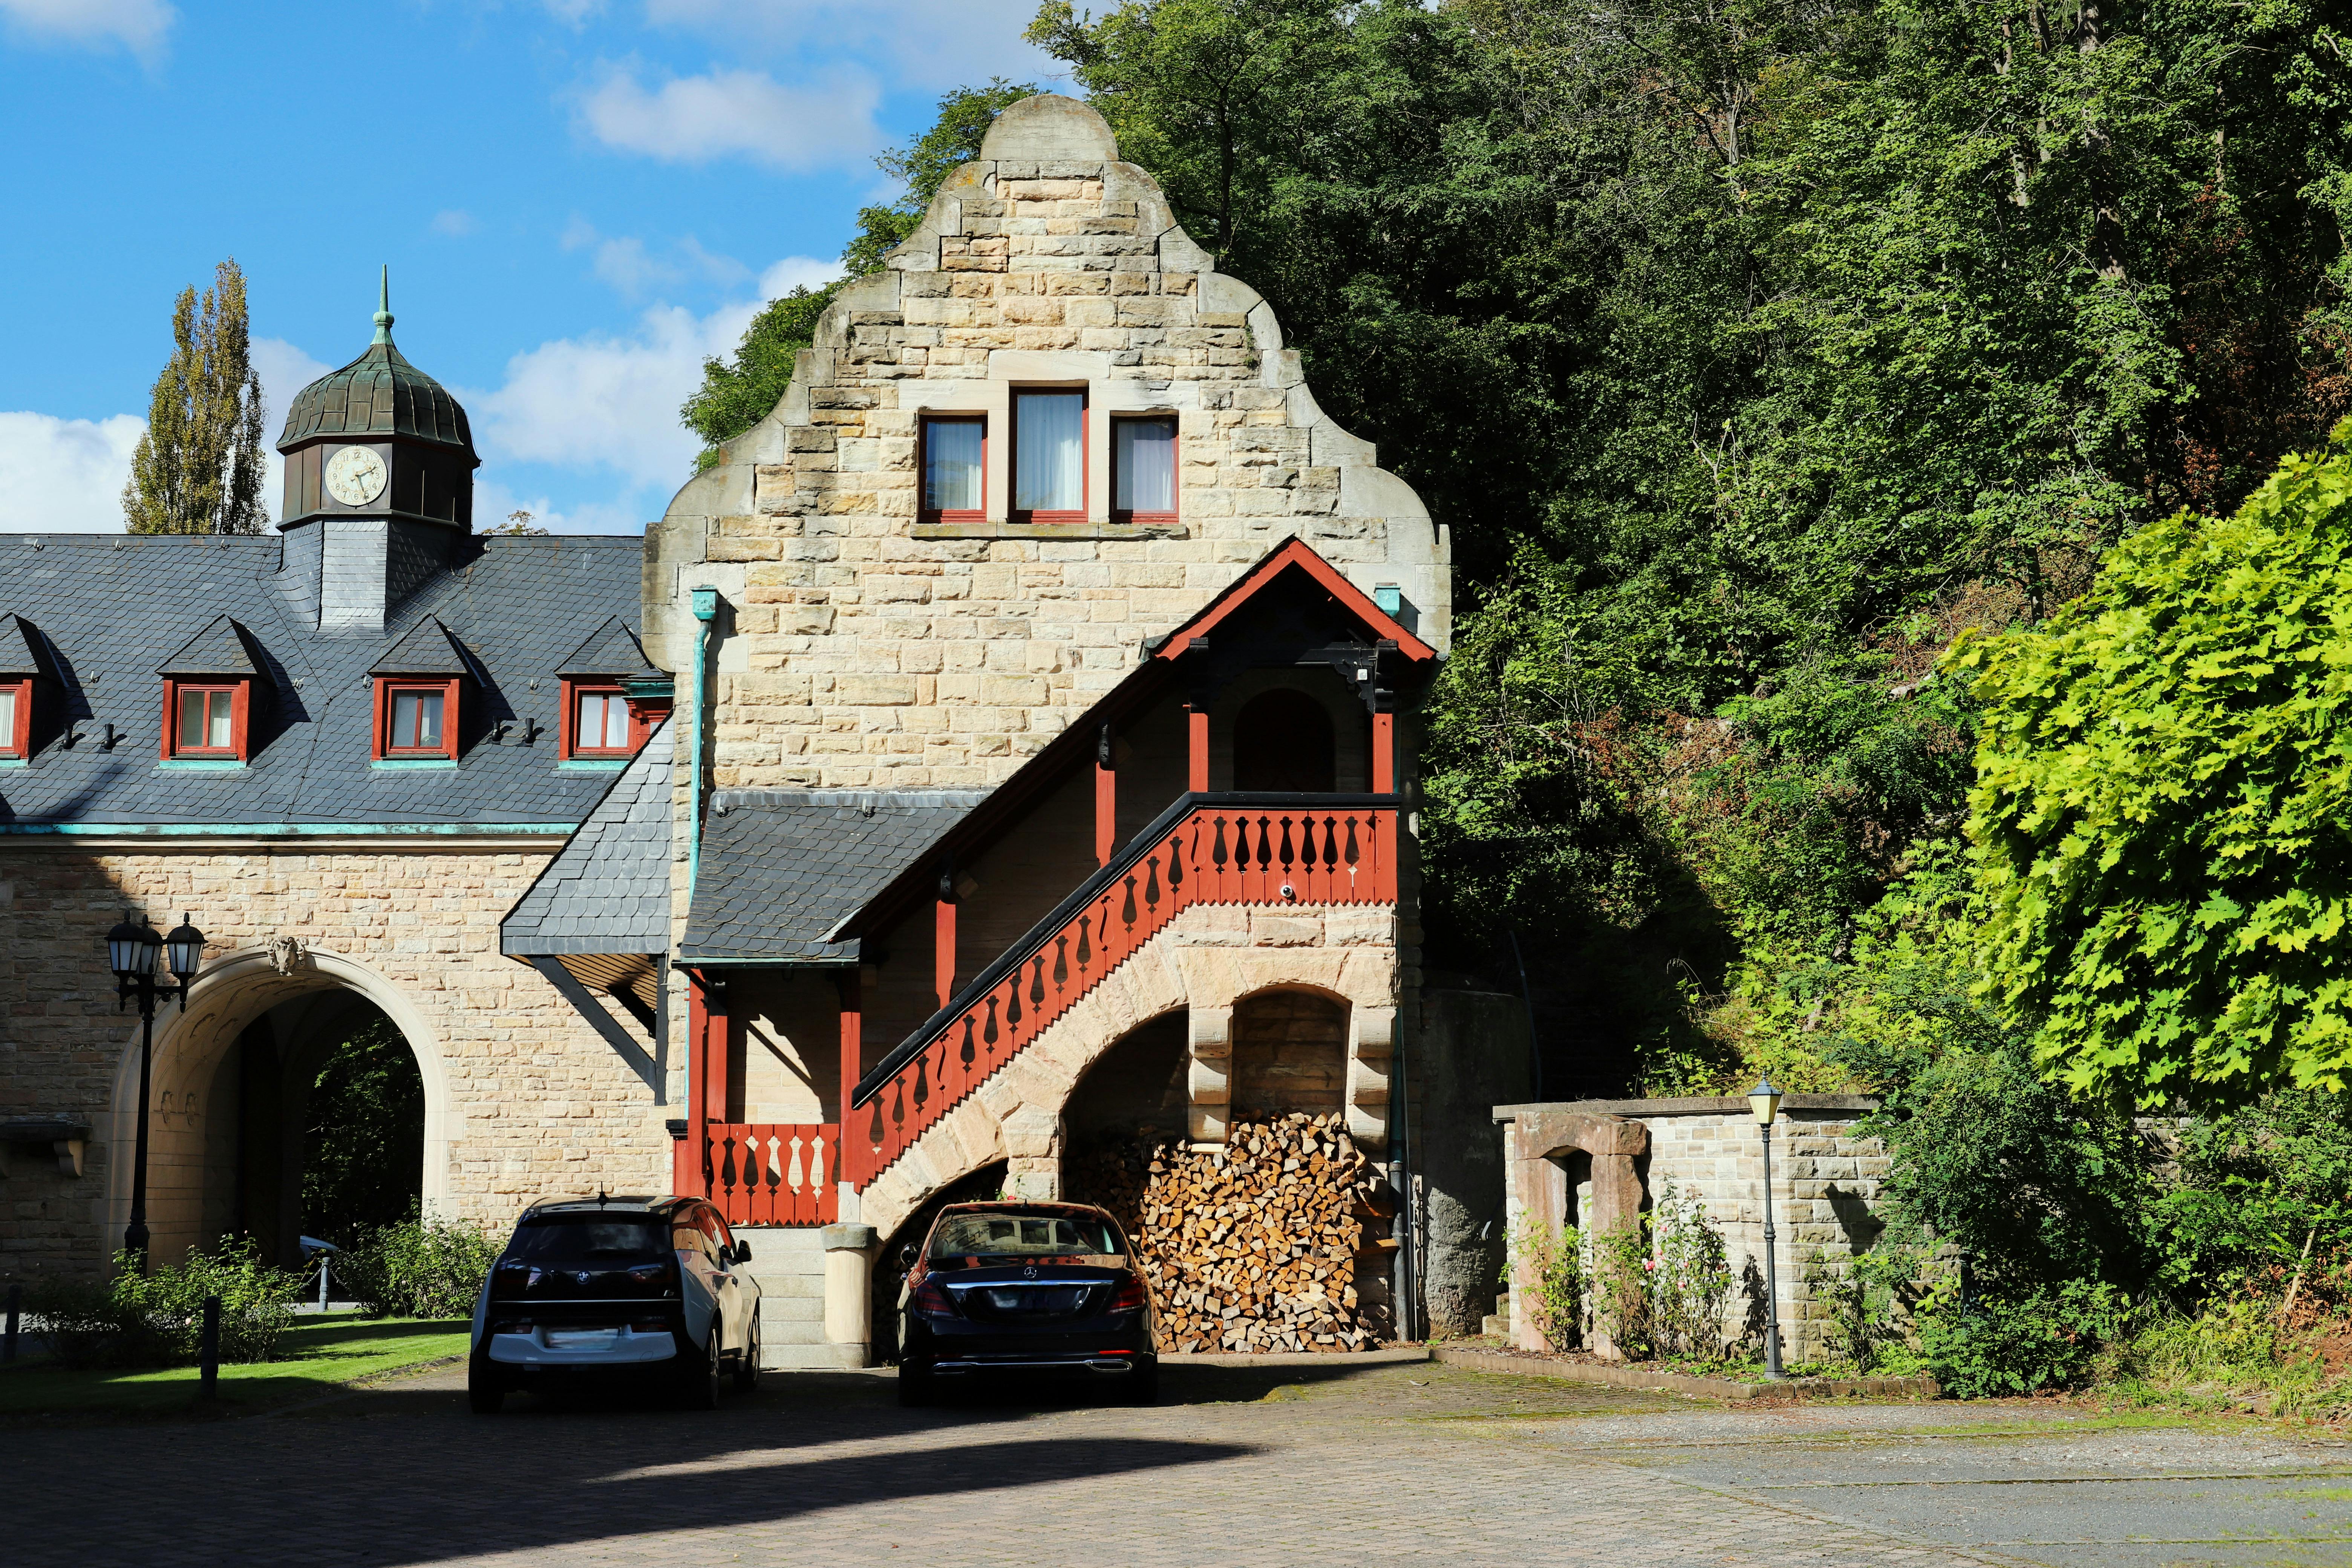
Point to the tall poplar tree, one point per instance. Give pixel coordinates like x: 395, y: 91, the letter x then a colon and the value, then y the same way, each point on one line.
x: 198, y: 469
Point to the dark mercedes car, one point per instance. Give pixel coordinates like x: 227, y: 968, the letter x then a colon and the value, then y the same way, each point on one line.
x: 1020, y: 1290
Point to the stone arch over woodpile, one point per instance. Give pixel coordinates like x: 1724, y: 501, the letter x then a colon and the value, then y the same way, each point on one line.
x: 189, y: 1127
x: 1549, y: 1150
x: 1209, y: 960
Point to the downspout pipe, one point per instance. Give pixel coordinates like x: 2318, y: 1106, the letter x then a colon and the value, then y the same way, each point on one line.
x: 706, y: 611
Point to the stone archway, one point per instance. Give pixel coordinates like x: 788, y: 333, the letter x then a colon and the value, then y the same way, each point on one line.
x: 1546, y: 1151
x: 185, y: 1133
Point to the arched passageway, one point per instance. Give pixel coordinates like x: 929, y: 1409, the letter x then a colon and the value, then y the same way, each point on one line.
x: 286, y: 1101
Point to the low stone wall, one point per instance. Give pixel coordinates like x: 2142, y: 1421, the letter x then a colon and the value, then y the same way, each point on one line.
x: 1594, y: 1162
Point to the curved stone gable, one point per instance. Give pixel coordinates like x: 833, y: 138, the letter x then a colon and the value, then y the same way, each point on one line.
x: 867, y: 649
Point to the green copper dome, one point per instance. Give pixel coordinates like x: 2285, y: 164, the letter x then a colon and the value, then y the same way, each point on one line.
x: 378, y: 393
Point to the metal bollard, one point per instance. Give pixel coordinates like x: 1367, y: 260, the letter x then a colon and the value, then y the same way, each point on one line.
x: 9, y: 1335
x: 208, y: 1350
x: 322, y: 1284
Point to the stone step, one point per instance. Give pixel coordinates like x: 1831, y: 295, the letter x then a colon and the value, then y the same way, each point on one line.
x: 792, y: 1309
x: 777, y: 1356
x: 1498, y: 1327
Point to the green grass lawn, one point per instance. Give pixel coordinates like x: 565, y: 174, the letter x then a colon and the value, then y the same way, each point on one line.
x: 313, y: 1357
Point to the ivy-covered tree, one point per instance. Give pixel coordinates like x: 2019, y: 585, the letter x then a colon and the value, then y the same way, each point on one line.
x: 2164, y: 804
x: 198, y: 467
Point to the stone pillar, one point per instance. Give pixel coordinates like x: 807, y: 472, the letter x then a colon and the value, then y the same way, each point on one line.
x: 849, y: 1252
x: 1209, y: 1073
x: 1033, y: 1151
x: 1372, y: 1045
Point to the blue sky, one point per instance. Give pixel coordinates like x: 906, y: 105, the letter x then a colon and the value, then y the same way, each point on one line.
x: 579, y: 199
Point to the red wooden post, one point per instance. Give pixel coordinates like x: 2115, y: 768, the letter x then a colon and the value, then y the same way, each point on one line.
x: 943, y: 950
x: 705, y: 1033
x: 1197, y: 729
x: 1106, y: 803
x: 853, y: 1067
x: 1384, y: 754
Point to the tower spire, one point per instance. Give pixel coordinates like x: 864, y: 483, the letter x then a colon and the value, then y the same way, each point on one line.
x: 383, y: 307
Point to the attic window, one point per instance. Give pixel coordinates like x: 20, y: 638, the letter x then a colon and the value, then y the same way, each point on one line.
x: 954, y: 463
x: 204, y: 720
x: 415, y: 720
x: 1143, y: 470
x: 1049, y: 456
x: 598, y: 720
x: 16, y: 717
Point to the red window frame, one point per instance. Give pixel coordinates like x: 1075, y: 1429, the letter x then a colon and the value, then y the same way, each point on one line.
x: 386, y: 685
x: 238, y: 692
x: 1175, y: 475
x: 923, y: 511
x: 16, y: 739
x: 1057, y: 516
x: 568, y: 726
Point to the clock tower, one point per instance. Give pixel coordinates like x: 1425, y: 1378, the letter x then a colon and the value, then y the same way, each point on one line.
x: 379, y: 483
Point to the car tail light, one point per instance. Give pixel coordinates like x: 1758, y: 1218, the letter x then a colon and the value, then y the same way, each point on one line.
x: 650, y: 1326
x: 1129, y: 1298
x: 509, y: 1280
x: 654, y: 1277
x: 930, y: 1299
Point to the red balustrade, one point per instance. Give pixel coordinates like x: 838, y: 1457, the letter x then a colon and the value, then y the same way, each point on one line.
x: 774, y: 1173
x: 1214, y: 854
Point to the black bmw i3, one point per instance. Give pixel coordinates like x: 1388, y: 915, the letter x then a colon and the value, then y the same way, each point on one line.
x: 1006, y: 1290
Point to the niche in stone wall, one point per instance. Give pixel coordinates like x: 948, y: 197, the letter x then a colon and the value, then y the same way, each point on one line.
x: 1290, y: 1053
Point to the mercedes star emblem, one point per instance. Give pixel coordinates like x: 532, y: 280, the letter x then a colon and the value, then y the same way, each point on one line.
x: 1030, y: 1272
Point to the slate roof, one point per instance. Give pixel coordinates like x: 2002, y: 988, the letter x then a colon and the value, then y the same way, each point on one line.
x: 378, y: 393
x: 110, y: 605
x: 780, y: 868
x: 18, y: 654
x: 609, y: 890
x: 218, y: 649
x: 427, y: 649
x: 611, y: 649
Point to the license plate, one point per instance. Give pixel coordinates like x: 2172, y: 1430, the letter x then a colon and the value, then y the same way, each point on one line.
x: 579, y: 1339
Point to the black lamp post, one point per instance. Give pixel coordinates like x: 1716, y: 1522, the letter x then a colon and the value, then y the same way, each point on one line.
x: 1765, y: 1102
x: 131, y: 951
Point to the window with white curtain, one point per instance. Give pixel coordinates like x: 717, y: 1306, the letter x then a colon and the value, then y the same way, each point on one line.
x: 1049, y: 456
x: 954, y: 452
x: 9, y: 701
x: 1143, y: 467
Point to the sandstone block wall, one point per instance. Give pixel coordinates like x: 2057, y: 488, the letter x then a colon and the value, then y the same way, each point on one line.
x: 524, y: 1099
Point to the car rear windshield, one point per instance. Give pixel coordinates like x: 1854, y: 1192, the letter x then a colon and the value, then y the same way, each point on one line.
x: 587, y: 1236
x: 1012, y: 1234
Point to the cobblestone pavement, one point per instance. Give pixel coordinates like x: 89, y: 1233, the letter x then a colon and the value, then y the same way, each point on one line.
x: 1289, y: 1466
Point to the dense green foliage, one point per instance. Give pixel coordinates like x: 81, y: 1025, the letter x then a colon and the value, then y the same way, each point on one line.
x: 363, y: 1151
x: 1750, y: 353
x: 2164, y: 802
x: 418, y: 1268
x: 738, y: 393
x: 156, y: 1319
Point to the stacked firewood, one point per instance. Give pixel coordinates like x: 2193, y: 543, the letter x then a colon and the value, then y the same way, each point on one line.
x: 1257, y: 1246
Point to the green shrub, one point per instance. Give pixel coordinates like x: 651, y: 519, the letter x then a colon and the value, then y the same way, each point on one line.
x: 1658, y: 1285
x: 1555, y: 1261
x: 418, y: 1268
x: 157, y: 1319
x: 2046, y: 1337
x: 1871, y: 1305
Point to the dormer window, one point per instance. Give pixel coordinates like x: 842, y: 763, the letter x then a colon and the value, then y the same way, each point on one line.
x: 612, y: 698
x: 208, y: 696
x: 420, y: 691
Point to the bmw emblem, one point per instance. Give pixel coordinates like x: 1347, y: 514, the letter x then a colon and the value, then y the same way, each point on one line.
x: 1030, y: 1272
x: 582, y: 1277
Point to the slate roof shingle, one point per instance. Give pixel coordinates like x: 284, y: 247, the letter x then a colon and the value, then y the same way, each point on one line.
x: 219, y: 649
x: 780, y: 868
x: 612, y: 649
x: 105, y: 603
x: 427, y: 649
x: 609, y: 890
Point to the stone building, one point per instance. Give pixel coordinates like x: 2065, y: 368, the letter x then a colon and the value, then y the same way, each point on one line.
x: 1040, y: 769
x: 347, y: 752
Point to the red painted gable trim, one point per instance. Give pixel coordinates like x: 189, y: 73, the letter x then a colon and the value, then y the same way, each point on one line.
x: 1296, y: 552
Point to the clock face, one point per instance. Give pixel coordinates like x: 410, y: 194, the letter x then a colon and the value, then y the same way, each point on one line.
x: 355, y: 476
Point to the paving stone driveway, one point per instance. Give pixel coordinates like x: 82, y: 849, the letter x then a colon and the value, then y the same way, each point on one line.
x: 1284, y: 1466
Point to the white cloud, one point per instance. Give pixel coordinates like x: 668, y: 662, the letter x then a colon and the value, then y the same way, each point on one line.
x: 796, y: 272
x: 494, y: 504
x: 738, y: 113
x: 608, y: 402
x: 630, y: 266
x: 453, y: 223
x: 64, y: 476
x: 924, y: 43
x: 138, y: 25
